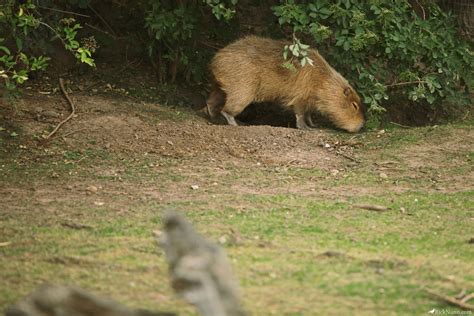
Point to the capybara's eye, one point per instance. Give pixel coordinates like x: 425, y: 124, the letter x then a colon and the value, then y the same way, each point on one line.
x: 355, y: 105
x: 347, y: 91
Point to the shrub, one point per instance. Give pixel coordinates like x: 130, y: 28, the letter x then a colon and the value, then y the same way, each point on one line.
x: 175, y: 29
x: 22, y: 23
x: 385, y: 48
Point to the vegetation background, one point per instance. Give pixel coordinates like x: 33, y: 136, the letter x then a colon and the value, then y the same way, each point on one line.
x: 293, y: 209
x: 405, y: 56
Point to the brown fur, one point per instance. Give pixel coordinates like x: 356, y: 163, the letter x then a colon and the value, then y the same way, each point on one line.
x: 251, y: 70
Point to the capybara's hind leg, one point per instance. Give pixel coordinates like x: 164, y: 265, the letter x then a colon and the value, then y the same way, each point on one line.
x: 300, y: 122
x: 301, y: 116
x: 215, y: 102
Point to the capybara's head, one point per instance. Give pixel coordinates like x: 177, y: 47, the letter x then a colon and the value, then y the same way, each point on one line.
x: 344, y: 108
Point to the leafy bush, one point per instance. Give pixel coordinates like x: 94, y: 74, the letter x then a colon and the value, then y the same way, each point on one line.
x: 384, y: 47
x: 175, y: 28
x: 20, y: 22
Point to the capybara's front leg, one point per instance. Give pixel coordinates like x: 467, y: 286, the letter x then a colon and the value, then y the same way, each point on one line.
x: 230, y: 119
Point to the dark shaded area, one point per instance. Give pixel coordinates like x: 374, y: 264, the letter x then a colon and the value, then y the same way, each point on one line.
x: 276, y: 115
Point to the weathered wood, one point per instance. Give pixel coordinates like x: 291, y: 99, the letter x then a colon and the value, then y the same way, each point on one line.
x: 200, y: 272
x: 57, y: 300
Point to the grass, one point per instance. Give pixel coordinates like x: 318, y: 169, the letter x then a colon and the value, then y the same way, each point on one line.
x: 305, y: 251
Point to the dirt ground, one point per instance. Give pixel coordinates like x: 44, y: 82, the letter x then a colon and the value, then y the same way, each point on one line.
x: 125, y: 158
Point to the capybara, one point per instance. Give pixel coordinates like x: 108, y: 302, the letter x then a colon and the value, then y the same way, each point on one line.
x: 252, y: 70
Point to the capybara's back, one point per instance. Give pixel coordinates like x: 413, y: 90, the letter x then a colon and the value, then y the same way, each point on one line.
x: 252, y: 70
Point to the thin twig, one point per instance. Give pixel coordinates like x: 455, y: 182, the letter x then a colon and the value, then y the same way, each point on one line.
x: 72, y: 132
x: 377, y: 208
x: 451, y: 300
x: 422, y: 9
x: 348, y: 157
x: 405, y: 83
x: 104, y: 32
x: 54, y: 31
x: 211, y: 45
x: 76, y: 225
x: 400, y: 125
x: 103, y: 20
x: 73, y: 109
x: 62, y: 11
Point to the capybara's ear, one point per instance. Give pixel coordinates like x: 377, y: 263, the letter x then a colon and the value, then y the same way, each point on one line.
x: 347, y: 91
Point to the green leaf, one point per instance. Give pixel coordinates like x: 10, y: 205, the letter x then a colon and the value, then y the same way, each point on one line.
x: 19, y: 43
x: 347, y: 45
x: 5, y: 50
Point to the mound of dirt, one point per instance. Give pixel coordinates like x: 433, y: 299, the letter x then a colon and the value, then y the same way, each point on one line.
x: 104, y: 123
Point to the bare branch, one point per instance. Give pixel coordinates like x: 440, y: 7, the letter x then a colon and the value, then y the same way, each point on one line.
x: 73, y: 110
x: 63, y: 11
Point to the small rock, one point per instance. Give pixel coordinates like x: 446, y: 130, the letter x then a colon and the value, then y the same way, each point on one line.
x: 194, y: 186
x: 50, y: 114
x: 383, y: 175
x: 157, y: 233
x: 170, y: 143
x: 92, y: 188
x: 99, y: 203
x: 334, y: 172
x: 223, y: 239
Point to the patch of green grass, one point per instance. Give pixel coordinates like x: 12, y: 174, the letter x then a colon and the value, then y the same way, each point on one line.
x: 296, y: 249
